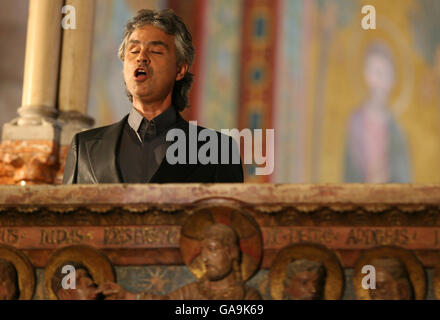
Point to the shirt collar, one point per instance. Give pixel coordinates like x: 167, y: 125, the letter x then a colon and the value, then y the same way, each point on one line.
x: 162, y: 122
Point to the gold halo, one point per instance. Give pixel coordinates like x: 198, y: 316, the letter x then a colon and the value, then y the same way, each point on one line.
x: 25, y: 270
x: 96, y: 262
x: 436, y: 280
x: 334, y: 281
x: 243, y: 224
x: 413, y: 266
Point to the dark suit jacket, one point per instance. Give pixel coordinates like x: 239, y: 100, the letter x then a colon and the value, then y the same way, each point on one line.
x: 92, y: 159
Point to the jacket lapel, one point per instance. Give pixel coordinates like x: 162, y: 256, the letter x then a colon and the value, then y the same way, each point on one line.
x: 178, y: 172
x: 102, y: 153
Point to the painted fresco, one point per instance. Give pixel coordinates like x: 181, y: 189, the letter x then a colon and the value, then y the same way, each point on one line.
x: 380, y: 116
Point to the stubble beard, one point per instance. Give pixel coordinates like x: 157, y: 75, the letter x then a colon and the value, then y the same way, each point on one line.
x: 149, y: 76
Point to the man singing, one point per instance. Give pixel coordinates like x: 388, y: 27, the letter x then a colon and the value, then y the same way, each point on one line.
x: 157, y: 52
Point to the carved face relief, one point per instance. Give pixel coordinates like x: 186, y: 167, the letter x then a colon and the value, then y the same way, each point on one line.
x: 217, y: 259
x: 306, y: 285
x: 387, y: 288
x: 85, y: 288
x: 8, y: 281
x: 8, y: 290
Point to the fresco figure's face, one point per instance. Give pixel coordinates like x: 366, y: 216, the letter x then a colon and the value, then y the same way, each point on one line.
x: 379, y: 74
x: 306, y: 285
x: 150, y: 64
x: 85, y: 288
x: 217, y: 259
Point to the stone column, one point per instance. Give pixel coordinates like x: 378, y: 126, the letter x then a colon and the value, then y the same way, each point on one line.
x: 76, y: 56
x: 30, y: 143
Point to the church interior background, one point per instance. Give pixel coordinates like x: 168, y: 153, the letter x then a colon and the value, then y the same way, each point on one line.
x: 304, y: 68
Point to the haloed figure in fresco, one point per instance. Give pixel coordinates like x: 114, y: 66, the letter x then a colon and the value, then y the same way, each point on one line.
x: 392, y: 282
x: 305, y: 280
x: 86, y: 288
x: 376, y: 150
x: 8, y: 281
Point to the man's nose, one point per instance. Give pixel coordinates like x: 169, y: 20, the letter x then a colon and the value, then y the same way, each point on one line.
x: 143, y: 57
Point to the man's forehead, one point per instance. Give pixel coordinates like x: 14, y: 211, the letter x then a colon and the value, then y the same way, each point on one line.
x: 150, y: 33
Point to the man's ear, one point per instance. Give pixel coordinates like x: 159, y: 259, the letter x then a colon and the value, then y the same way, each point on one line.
x: 181, y: 71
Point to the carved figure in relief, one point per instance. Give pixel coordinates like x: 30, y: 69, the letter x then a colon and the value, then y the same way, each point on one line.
x: 85, y: 286
x: 17, y: 275
x: 397, y: 273
x: 220, y: 253
x: 87, y: 266
x: 306, y: 271
x: 392, y: 282
x: 305, y: 280
x: 222, y: 247
x: 8, y: 281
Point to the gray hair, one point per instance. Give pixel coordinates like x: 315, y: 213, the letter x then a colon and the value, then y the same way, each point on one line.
x: 170, y: 23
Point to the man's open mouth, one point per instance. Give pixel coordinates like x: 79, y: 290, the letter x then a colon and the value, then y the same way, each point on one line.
x: 140, y: 74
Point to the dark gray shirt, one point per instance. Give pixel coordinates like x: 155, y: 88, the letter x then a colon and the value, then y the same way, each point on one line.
x: 143, y: 145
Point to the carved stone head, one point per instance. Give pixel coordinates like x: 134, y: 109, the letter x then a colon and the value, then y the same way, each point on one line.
x: 85, y: 285
x: 305, y: 280
x: 8, y: 281
x: 392, y: 281
x: 220, y: 251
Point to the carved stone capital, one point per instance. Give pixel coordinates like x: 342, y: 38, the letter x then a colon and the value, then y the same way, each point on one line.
x: 35, y: 115
x: 32, y: 126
